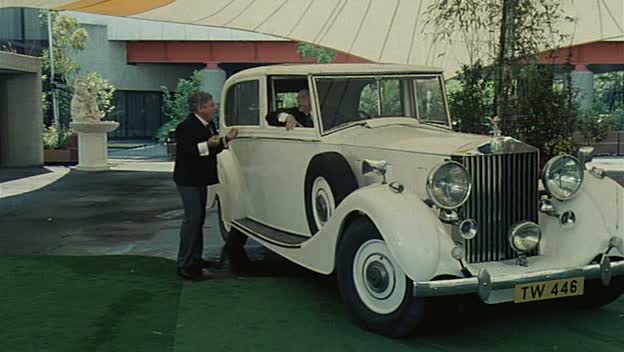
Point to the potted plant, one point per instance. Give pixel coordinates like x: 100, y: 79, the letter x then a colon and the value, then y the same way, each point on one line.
x: 60, y: 145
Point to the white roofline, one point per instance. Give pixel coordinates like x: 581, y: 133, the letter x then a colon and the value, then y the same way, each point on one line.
x: 338, y: 68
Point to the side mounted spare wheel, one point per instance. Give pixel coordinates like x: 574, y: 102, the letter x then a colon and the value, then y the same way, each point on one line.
x: 328, y: 181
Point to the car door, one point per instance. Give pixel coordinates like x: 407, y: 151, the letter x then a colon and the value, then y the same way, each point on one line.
x: 274, y: 163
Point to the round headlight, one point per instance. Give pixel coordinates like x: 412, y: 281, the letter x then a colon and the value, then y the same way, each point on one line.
x: 563, y: 176
x: 525, y: 236
x: 448, y: 185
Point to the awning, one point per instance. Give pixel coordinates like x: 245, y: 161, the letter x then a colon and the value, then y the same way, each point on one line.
x: 391, y: 31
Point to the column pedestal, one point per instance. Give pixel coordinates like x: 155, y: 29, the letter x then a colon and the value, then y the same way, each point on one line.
x: 93, y: 144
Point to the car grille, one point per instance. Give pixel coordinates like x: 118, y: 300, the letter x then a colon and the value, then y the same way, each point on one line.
x: 504, y: 193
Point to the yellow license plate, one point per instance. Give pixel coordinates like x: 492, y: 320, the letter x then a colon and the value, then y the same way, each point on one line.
x: 537, y: 291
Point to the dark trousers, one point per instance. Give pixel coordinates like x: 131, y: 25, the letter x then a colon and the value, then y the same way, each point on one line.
x: 191, y: 232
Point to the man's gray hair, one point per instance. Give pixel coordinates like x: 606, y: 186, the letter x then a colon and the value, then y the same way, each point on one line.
x: 304, y: 92
x: 198, y: 99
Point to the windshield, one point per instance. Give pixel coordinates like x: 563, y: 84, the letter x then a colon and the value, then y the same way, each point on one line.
x: 350, y: 99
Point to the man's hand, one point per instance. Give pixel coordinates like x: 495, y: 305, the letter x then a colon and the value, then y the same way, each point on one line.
x: 214, y: 141
x: 291, y: 122
x: 232, y: 133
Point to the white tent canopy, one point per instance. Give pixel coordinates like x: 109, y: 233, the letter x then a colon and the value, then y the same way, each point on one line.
x: 391, y: 31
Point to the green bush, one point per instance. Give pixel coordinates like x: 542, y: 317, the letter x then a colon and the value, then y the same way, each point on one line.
x: 56, y: 138
x: 176, y: 104
x: 593, y: 127
x: 471, y: 101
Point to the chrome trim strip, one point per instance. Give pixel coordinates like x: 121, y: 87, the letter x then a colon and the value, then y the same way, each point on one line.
x: 484, y: 283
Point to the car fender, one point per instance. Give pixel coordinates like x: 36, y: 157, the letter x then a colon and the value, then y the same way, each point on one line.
x: 411, y: 230
x: 599, y: 213
x: 230, y: 188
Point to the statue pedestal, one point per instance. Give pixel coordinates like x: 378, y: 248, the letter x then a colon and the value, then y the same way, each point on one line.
x: 93, y: 144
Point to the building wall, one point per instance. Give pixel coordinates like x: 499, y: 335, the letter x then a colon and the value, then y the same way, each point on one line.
x: 22, y: 31
x: 20, y: 111
x: 109, y: 59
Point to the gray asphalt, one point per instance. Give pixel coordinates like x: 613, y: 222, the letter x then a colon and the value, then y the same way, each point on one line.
x: 115, y: 213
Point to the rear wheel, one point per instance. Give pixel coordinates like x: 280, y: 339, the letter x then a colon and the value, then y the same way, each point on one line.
x: 376, y: 291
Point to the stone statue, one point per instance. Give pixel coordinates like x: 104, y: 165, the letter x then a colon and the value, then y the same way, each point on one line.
x: 84, y: 103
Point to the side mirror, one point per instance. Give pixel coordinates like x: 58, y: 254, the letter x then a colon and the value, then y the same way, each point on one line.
x: 377, y: 166
x: 585, y: 155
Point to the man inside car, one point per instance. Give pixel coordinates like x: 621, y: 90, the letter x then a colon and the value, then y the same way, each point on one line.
x: 299, y: 116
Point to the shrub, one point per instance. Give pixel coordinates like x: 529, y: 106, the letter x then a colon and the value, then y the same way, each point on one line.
x: 56, y: 138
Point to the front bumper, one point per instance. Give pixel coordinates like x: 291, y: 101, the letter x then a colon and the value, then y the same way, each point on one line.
x: 484, y: 284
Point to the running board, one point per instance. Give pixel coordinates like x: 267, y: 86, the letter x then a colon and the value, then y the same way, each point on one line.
x: 271, y: 235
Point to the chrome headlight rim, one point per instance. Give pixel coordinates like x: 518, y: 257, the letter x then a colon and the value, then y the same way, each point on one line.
x: 549, y: 165
x: 429, y: 185
x: 515, y: 230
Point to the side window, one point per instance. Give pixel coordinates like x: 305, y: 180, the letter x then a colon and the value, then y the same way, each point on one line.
x: 242, y: 104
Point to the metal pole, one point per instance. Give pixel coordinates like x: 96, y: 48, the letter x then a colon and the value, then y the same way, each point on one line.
x: 55, y: 119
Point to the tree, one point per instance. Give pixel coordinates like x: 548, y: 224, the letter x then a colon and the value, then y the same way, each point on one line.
x: 68, y: 37
x: 176, y: 104
x: 510, y: 34
x: 319, y: 54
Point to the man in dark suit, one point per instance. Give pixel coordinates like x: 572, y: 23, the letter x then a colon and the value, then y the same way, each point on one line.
x: 294, y: 117
x: 197, y: 146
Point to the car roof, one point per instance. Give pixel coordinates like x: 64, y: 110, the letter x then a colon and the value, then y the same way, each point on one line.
x: 333, y: 69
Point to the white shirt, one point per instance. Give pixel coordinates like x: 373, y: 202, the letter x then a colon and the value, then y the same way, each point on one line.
x: 202, y: 147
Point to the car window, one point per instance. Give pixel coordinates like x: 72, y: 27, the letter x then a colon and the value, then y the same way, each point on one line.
x: 390, y: 103
x: 286, y: 100
x: 242, y: 104
x: 286, y: 93
x: 343, y: 100
x: 430, y: 100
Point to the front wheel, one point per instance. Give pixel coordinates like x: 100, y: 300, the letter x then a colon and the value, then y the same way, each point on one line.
x: 376, y: 291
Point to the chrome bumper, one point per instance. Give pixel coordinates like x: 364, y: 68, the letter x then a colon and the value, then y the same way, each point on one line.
x: 484, y: 284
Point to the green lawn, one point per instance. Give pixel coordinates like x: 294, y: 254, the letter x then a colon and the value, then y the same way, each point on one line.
x: 128, y: 303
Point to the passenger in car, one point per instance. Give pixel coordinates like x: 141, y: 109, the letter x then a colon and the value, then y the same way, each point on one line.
x: 294, y: 117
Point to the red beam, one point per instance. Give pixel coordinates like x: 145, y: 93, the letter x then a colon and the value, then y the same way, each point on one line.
x: 606, y: 53
x: 219, y: 51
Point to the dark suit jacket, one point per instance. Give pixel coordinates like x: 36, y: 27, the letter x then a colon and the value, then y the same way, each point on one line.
x: 303, y: 119
x: 191, y: 169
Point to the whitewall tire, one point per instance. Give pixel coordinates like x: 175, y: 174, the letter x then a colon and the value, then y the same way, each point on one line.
x: 374, y: 288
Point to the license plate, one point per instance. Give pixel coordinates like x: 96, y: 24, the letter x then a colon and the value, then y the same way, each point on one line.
x: 537, y: 291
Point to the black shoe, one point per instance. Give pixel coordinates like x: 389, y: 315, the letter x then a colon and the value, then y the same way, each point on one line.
x: 194, y: 274
x: 186, y: 274
x: 205, y: 264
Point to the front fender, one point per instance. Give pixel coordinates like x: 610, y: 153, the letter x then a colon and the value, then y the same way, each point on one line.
x: 415, y: 236
x: 599, y: 213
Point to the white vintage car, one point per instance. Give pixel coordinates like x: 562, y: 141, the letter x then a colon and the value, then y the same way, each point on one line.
x: 381, y: 192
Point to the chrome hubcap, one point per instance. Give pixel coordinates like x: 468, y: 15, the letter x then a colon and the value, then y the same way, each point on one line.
x: 379, y: 282
x: 377, y: 277
x: 323, y: 203
x: 321, y: 207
